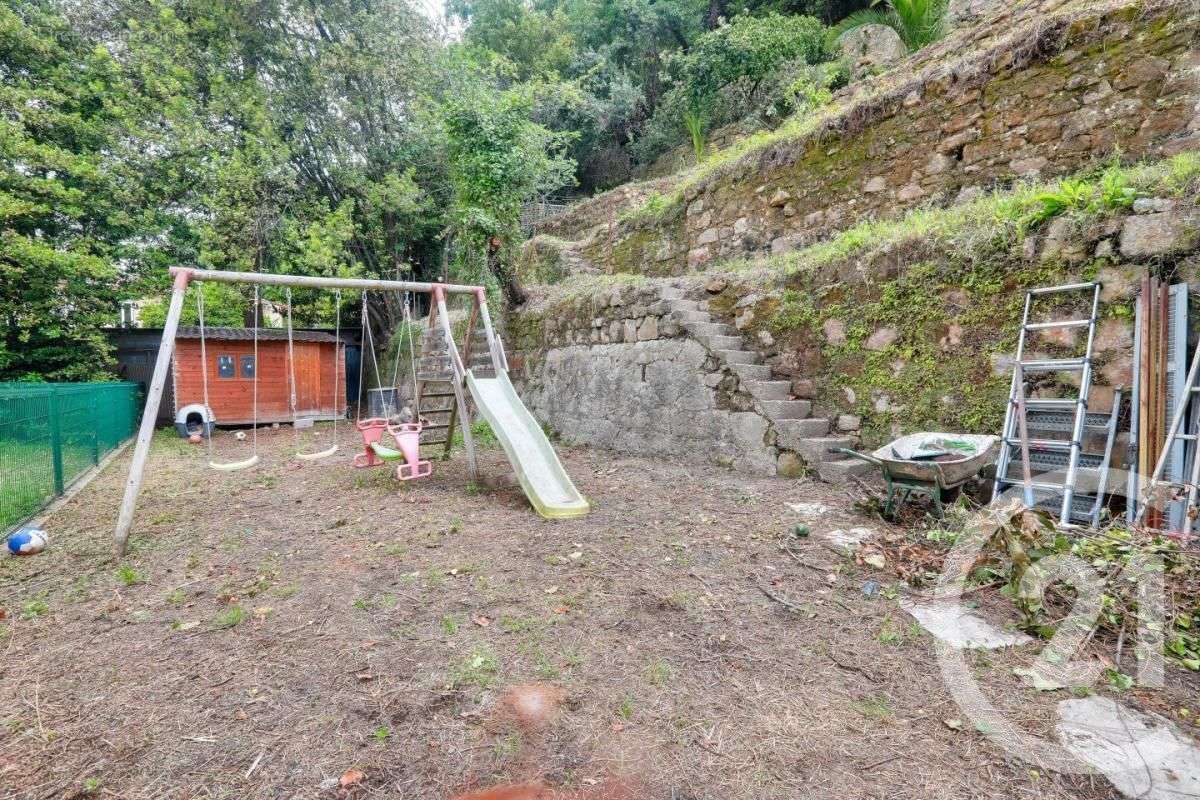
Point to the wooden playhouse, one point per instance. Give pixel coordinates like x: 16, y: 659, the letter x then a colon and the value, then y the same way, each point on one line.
x: 320, y: 371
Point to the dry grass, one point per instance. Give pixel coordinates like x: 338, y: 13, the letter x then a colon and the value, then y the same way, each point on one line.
x: 292, y: 623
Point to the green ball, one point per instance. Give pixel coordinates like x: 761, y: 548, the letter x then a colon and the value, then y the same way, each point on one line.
x: 800, y: 531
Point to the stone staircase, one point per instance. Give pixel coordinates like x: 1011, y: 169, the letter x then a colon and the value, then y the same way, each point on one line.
x: 795, y: 427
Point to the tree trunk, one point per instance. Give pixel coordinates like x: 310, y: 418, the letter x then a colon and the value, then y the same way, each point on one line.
x: 514, y: 295
x: 716, y: 11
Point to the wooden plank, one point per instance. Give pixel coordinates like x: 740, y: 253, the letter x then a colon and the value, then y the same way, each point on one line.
x: 141, y: 451
x: 463, y: 415
x: 362, y: 284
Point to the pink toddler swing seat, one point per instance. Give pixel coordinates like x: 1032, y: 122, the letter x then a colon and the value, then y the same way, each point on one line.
x: 407, y: 436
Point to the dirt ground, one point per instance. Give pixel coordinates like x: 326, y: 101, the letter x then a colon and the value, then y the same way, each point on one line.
x: 277, y: 629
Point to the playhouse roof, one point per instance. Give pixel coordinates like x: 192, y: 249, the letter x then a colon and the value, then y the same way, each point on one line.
x: 247, y: 334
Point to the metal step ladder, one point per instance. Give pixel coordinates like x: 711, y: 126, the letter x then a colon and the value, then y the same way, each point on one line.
x: 1048, y: 455
x: 1185, y: 430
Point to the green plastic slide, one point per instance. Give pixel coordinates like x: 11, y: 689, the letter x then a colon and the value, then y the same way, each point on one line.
x: 542, y: 476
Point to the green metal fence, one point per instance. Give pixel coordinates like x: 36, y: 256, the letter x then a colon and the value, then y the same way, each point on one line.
x: 51, y: 433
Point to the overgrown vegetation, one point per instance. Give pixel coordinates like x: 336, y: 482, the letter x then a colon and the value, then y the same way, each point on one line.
x: 341, y: 139
x: 727, y: 74
x: 949, y: 283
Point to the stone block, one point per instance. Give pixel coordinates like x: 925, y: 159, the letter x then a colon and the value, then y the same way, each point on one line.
x: 1141, y: 72
x: 881, y: 339
x: 698, y: 257
x: 648, y: 329
x: 1162, y: 234
x: 953, y: 337
x: 1002, y: 364
x: 1028, y: 167
x: 939, y: 163
x: 629, y: 330
x: 872, y: 47
x: 963, y: 12
x: 1119, y: 283
x: 790, y: 465
x: 804, y: 388
x: 1119, y: 371
x: 958, y: 141
x: 1153, y: 205
x: 786, y: 244
x: 848, y: 423
x: 835, y: 331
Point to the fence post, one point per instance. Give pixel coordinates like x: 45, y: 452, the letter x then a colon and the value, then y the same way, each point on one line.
x: 94, y: 423
x: 56, y: 441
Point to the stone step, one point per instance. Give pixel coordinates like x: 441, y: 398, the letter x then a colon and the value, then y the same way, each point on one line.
x: 709, y: 329
x: 769, y: 390
x: 725, y: 342
x: 793, y: 430
x: 671, y: 293
x: 786, y: 409
x: 685, y: 305
x: 840, y: 471
x: 816, y: 451
x: 693, y: 316
x: 738, y: 356
x: 751, y: 372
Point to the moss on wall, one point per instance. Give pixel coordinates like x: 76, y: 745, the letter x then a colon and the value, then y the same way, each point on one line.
x: 909, y: 324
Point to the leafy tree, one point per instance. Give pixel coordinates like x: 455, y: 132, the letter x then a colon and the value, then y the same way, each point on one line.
x: 67, y: 200
x: 720, y: 78
x: 918, y: 22
x: 499, y: 158
x: 224, y: 305
x: 532, y: 42
x: 747, y: 49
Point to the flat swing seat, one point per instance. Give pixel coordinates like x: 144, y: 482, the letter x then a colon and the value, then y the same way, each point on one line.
x: 317, y: 456
x: 234, y: 466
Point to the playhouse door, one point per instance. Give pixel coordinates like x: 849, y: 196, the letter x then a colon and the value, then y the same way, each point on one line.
x: 308, y: 378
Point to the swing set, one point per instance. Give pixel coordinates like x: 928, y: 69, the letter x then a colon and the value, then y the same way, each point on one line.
x: 442, y: 371
x: 293, y: 406
x: 407, y: 435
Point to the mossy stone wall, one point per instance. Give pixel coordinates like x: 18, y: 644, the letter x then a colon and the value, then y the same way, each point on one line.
x: 1123, y: 79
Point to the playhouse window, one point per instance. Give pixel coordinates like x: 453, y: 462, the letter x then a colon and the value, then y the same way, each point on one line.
x: 247, y: 363
x: 224, y: 366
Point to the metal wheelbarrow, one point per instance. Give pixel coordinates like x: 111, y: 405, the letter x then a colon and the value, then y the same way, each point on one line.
x: 928, y: 465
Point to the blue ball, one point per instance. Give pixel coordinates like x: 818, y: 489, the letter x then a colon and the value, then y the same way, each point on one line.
x: 27, y: 542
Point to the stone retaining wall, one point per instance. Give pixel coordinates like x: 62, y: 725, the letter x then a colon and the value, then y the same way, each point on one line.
x: 662, y: 398
x: 1073, y: 90
x: 622, y: 313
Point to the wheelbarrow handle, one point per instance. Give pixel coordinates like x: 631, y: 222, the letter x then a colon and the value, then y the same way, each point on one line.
x: 855, y: 454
